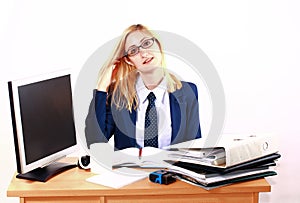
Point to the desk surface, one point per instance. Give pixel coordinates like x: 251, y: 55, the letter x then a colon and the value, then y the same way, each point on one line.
x: 72, y: 183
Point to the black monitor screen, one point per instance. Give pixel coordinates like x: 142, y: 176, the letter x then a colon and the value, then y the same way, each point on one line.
x: 47, y: 117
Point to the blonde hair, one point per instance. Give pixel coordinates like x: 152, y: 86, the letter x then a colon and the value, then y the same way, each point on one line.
x: 122, y: 88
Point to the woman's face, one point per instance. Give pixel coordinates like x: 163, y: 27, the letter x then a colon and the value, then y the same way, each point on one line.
x: 143, y: 51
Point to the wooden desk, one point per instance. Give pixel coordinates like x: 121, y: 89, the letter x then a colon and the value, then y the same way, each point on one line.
x: 71, y: 187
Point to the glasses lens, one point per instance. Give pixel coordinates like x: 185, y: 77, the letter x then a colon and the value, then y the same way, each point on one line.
x: 147, y: 43
x: 133, y: 51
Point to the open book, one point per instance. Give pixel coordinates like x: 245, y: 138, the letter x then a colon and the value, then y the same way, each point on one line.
x: 230, y: 150
x: 150, y: 158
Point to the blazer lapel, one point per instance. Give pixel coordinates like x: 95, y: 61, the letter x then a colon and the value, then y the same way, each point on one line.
x: 126, y: 123
x: 177, y: 109
x: 130, y: 129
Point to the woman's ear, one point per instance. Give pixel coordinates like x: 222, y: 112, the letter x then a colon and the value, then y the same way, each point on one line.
x: 128, y: 61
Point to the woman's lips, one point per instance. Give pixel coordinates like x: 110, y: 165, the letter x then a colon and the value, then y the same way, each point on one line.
x: 148, y: 60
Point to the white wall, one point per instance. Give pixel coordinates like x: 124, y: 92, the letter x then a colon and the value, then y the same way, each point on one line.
x: 253, y: 44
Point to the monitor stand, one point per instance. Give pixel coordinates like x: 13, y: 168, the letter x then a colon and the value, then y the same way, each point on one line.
x: 47, y: 172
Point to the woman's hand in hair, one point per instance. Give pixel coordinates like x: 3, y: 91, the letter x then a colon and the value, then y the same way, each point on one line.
x: 105, y: 78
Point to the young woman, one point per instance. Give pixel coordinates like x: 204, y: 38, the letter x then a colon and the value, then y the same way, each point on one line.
x: 138, y: 101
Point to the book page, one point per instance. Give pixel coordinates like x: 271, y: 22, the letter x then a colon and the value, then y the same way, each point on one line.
x: 150, y: 158
x: 209, y: 156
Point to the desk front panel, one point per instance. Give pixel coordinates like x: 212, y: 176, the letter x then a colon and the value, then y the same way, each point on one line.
x: 209, y: 198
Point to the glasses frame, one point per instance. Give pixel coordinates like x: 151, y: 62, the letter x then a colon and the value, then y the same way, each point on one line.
x: 140, y: 46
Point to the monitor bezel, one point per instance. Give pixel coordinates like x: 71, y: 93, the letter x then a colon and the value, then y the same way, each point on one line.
x: 22, y: 166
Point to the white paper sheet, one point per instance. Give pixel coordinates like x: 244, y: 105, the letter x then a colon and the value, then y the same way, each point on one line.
x: 118, y: 178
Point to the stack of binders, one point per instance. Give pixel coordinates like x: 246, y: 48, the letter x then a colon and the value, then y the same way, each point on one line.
x: 234, y: 158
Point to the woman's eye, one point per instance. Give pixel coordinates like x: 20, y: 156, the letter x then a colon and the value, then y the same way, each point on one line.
x: 132, y: 51
x: 146, y: 43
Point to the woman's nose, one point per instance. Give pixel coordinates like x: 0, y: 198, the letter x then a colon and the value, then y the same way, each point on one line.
x: 144, y: 52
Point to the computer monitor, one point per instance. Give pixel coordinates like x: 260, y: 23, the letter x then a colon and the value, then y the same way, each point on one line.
x: 43, y: 124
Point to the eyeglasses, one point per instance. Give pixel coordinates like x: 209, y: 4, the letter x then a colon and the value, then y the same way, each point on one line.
x: 134, y: 50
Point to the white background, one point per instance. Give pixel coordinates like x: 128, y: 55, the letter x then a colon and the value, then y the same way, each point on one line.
x: 254, y: 45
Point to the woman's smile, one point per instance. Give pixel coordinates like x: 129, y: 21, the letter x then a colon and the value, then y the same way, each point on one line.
x: 148, y: 60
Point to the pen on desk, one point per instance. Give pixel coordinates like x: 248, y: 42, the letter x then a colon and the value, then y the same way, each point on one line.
x: 140, y: 152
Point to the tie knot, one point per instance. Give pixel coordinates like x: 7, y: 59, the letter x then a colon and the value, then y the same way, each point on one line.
x: 151, y: 97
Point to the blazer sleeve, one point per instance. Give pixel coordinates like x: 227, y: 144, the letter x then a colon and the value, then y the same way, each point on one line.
x: 99, y: 124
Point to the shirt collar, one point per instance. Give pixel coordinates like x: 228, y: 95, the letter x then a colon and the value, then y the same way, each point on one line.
x: 159, y: 91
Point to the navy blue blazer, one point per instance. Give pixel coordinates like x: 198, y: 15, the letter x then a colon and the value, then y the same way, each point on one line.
x: 104, y: 120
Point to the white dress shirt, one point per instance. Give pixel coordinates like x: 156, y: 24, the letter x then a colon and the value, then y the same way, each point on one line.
x: 162, y: 105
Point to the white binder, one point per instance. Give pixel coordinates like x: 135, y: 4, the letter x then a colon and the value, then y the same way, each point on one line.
x: 229, y: 150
